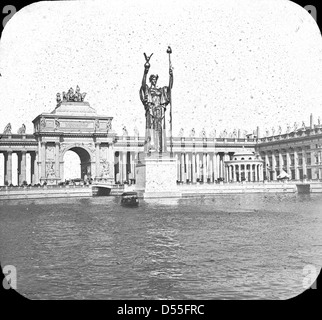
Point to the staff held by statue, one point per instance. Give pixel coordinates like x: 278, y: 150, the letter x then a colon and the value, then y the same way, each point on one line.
x: 169, y: 51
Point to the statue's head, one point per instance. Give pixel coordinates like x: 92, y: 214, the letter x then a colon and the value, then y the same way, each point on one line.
x: 153, y: 78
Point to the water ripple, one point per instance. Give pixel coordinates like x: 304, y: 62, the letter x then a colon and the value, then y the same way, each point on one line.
x: 212, y: 247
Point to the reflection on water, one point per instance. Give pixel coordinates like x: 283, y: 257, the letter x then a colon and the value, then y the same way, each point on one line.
x: 212, y: 247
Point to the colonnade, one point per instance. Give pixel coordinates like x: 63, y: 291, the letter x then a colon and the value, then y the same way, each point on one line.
x: 125, y: 162
x: 200, y: 166
x: 25, y: 168
x: 191, y: 166
x: 244, y: 172
x: 298, y: 163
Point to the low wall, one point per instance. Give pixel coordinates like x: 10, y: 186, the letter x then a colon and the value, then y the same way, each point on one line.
x: 235, y: 188
x: 44, y: 192
x: 185, y: 190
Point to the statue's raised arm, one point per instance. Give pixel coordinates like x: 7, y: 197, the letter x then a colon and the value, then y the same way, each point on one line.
x: 143, y: 89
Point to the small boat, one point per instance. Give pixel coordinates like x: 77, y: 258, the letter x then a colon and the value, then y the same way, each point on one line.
x: 129, y: 199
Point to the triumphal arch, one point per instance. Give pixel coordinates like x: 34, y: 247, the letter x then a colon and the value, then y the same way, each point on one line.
x: 74, y: 125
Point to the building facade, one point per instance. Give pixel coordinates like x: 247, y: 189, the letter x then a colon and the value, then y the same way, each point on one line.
x: 108, y: 157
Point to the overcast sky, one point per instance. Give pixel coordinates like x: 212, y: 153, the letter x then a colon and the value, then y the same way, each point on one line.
x: 237, y: 63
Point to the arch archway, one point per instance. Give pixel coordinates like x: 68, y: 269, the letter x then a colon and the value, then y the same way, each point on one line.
x: 83, y: 161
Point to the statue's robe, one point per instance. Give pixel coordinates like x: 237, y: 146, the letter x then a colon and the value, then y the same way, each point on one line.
x: 155, y: 101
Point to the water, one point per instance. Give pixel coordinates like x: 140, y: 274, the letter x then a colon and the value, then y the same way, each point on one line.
x: 216, y: 247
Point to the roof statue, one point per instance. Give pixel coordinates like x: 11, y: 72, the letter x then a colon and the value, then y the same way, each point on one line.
x: 192, y: 132
x: 213, y: 133
x: 303, y: 125
x: 125, y: 133
x: 22, y: 129
x: 71, y: 96
x: 181, y: 133
x: 136, y: 131
x: 203, y: 133
x: 7, y: 129
x: 273, y: 131
x: 58, y: 99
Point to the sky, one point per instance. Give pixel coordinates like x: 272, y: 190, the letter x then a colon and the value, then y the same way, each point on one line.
x: 237, y: 64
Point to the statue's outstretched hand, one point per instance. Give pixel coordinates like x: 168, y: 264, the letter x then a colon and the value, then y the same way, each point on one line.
x: 146, y: 67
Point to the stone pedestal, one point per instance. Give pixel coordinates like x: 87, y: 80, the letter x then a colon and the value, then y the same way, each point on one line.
x: 156, y: 176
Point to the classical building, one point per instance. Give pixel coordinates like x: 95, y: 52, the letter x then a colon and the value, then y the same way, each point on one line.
x: 298, y: 153
x: 244, y: 166
x: 105, y: 156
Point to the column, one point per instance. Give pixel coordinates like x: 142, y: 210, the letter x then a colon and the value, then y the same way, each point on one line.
x: 267, y: 165
x: 43, y: 160
x: 288, y: 162
x: 209, y: 171
x: 132, y: 165
x: 61, y: 170
x: 246, y: 172
x: 214, y: 164
x: 188, y: 163
x: 204, y: 167
x: 57, y: 159
x: 280, y: 158
x: 119, y: 175
x: 32, y: 167
x: 221, y: 167
x: 8, y: 175
x: 111, y: 160
x: 256, y: 173
x: 230, y: 172
x: 178, y: 166
x: 314, y: 166
x: 19, y: 158
x: 124, y: 162
x: 296, y: 165
x: 97, y: 156
x: 274, y: 166
x: 193, y: 167
x: 35, y: 165
x: 235, y: 172
x: 304, y: 163
x: 198, y: 165
x: 183, y: 178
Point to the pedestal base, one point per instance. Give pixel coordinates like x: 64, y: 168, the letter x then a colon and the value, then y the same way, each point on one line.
x: 156, y: 176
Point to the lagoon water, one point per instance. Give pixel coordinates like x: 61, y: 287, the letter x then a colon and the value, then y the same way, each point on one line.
x: 250, y: 246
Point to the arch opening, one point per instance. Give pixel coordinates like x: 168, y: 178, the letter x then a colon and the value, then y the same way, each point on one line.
x: 77, y: 164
